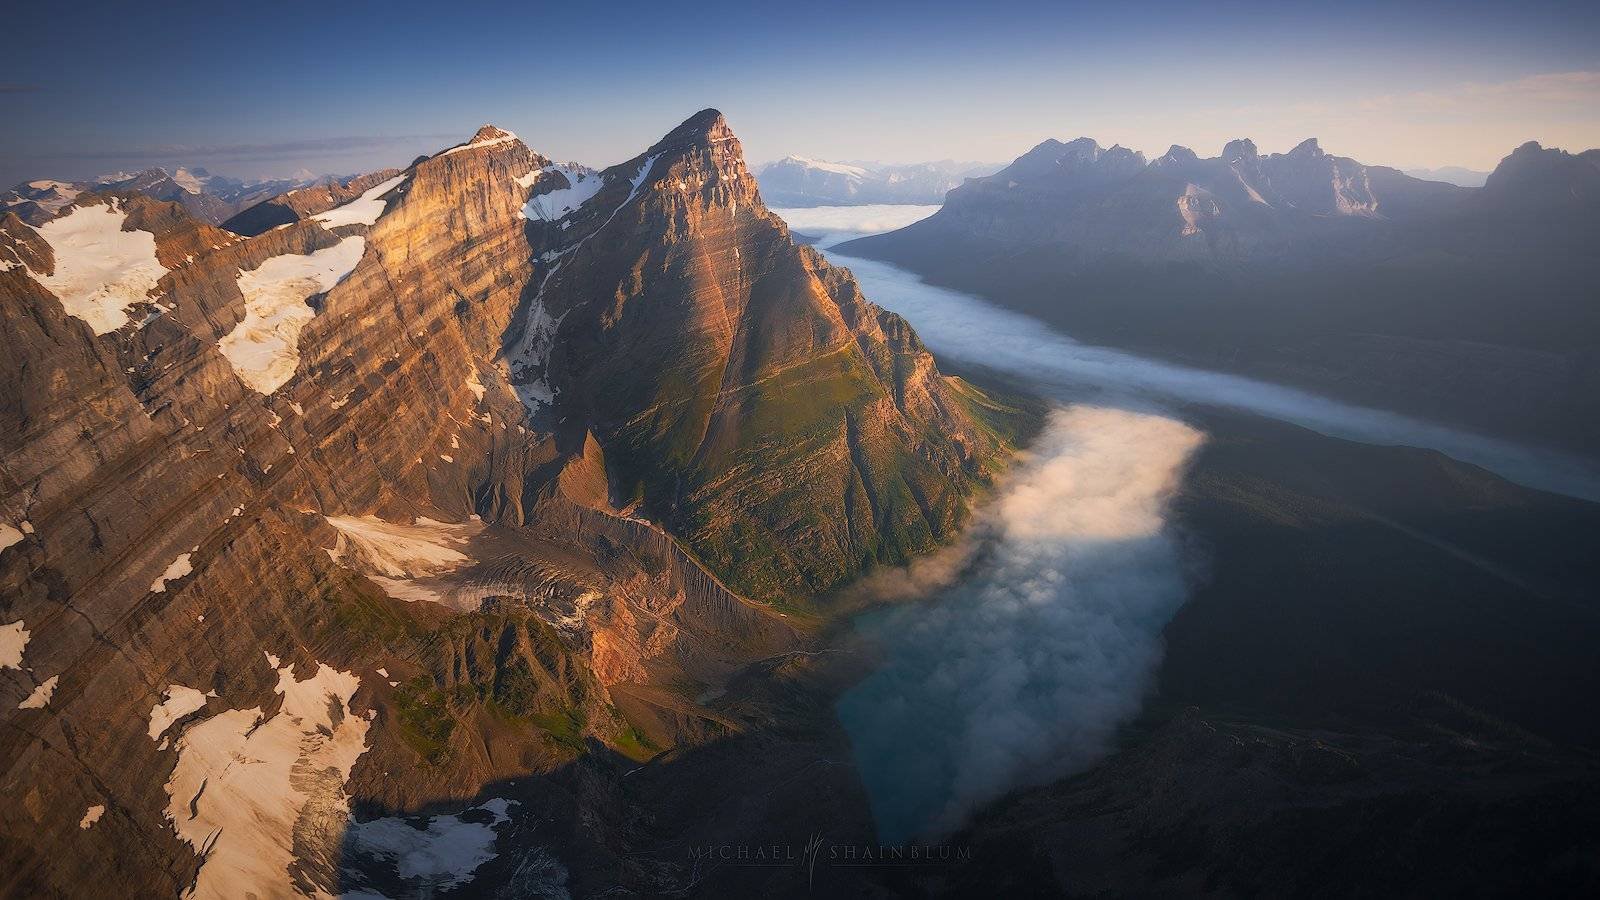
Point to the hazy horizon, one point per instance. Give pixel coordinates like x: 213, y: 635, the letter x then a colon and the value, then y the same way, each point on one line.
x: 349, y: 89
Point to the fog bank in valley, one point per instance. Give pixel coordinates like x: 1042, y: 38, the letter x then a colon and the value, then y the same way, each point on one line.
x: 1023, y: 671
x: 961, y: 326
x: 1041, y: 631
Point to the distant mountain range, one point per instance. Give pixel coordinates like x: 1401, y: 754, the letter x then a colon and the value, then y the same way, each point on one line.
x: 209, y: 198
x: 1452, y: 174
x: 798, y: 181
x: 1475, y: 305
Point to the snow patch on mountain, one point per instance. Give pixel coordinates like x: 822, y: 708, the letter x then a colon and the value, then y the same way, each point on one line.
x: 526, y: 365
x: 41, y: 694
x: 177, y: 702
x: 13, y: 639
x: 554, y: 205
x: 178, y: 569
x: 405, y: 560
x: 364, y: 210
x: 264, y: 347
x: 247, y: 792
x: 440, y: 851
x: 9, y: 534
x: 100, y: 268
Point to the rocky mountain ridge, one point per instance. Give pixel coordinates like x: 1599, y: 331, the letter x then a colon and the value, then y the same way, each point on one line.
x: 1469, y: 305
x: 209, y: 198
x: 447, y: 479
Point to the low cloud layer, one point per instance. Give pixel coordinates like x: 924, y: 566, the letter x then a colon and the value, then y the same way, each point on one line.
x: 962, y: 326
x: 1023, y: 671
x: 1042, y: 631
x: 834, y: 224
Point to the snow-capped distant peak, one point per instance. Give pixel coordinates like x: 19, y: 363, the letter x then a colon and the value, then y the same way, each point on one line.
x: 836, y: 168
x: 187, y: 180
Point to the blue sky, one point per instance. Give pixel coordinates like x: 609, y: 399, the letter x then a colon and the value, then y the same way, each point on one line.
x: 266, y: 89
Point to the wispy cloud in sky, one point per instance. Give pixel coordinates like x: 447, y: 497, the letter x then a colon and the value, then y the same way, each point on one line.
x: 1426, y: 83
x: 275, y: 150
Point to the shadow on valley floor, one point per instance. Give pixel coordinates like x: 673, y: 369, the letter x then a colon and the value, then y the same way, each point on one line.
x: 730, y: 817
x: 1379, y: 686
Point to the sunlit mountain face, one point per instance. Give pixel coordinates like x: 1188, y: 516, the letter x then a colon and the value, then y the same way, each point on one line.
x: 1029, y: 451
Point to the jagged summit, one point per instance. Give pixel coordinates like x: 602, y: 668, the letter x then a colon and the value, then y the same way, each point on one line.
x: 704, y: 128
x: 488, y: 133
x: 1241, y: 149
x: 705, y: 121
x: 1177, y: 155
x: 1306, y: 148
x: 485, y: 136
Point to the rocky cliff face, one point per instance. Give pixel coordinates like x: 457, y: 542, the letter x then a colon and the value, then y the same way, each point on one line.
x: 1089, y: 201
x: 745, y: 392
x: 425, y: 487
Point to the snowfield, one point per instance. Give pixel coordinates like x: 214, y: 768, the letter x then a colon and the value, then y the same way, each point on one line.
x: 180, y: 568
x: 264, y: 348
x: 364, y: 210
x: 395, y: 556
x: 41, y: 694
x: 179, y: 701
x: 13, y: 639
x: 246, y: 793
x: 100, y: 269
x: 553, y: 205
x: 444, y: 853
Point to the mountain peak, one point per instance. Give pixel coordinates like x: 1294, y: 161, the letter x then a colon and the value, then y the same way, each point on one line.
x: 1242, y: 149
x: 491, y: 133
x: 1308, y: 148
x: 701, y: 129
x: 1083, y: 146
x: 1177, y: 155
x: 485, y: 136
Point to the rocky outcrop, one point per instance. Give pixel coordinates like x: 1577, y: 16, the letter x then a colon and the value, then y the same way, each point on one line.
x: 288, y: 499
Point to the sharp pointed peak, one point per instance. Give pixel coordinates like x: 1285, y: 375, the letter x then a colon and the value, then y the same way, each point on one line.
x: 489, y: 132
x: 704, y: 127
x: 1306, y: 148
